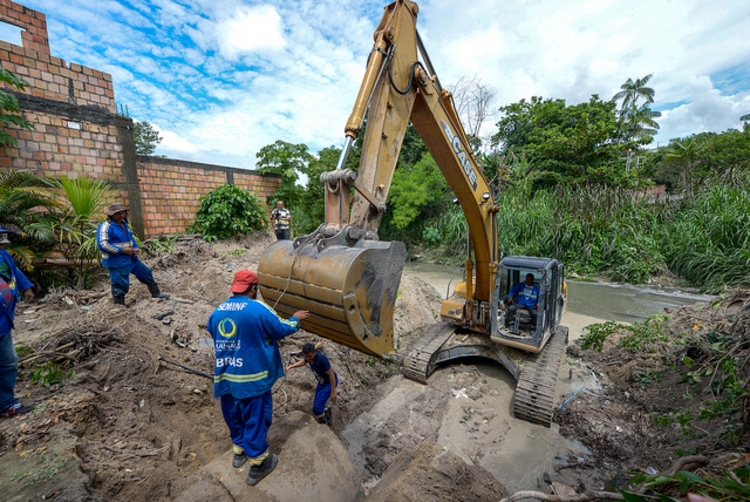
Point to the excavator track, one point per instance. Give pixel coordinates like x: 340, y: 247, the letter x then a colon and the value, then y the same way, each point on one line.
x: 535, y: 391
x: 419, y: 361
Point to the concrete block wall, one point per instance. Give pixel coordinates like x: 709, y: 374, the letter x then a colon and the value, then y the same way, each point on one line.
x: 77, y: 132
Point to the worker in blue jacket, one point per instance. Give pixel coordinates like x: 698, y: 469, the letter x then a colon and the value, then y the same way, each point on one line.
x: 524, y: 295
x: 120, y: 255
x: 248, y: 362
x: 12, y: 282
x: 327, y: 379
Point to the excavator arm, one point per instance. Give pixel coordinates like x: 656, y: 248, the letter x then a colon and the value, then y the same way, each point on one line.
x: 342, y: 273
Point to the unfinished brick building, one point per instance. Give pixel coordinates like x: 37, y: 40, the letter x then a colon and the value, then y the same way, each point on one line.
x: 77, y: 132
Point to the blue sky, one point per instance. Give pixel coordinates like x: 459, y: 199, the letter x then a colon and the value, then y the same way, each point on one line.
x: 220, y: 79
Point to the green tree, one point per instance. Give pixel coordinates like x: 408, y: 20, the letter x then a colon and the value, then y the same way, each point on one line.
x: 227, y: 211
x: 10, y: 111
x: 685, y: 155
x: 726, y: 155
x: 76, y: 229
x: 289, y: 161
x: 146, y: 138
x: 564, y: 143
x: 636, y: 116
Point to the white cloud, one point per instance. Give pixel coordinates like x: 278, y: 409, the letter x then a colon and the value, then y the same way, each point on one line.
x: 174, y: 143
x: 229, y: 77
x: 250, y: 30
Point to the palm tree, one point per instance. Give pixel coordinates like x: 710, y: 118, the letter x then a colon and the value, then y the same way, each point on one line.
x: 636, y: 119
x: 639, y: 122
x: 85, y: 202
x: 25, y: 203
x: 684, y: 154
x: 632, y: 91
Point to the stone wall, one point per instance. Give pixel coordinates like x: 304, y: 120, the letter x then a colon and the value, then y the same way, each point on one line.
x: 77, y: 132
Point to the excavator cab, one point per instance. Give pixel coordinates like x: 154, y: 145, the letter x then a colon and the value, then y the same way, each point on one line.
x: 513, y: 323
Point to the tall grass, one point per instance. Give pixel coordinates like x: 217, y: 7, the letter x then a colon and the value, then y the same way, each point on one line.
x: 591, y: 229
x: 708, y: 244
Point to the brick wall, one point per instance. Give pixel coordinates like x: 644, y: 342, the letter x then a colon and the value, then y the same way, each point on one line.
x: 77, y: 132
x: 171, y: 189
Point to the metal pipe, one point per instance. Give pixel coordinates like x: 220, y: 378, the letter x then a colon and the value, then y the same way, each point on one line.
x: 162, y: 358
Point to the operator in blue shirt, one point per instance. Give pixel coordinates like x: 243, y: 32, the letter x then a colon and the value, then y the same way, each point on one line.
x: 524, y: 295
x: 327, y: 379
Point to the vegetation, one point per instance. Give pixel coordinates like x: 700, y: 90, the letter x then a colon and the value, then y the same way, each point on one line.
x: 10, y: 111
x: 86, y: 200
x: 734, y: 486
x: 146, y: 138
x: 229, y: 211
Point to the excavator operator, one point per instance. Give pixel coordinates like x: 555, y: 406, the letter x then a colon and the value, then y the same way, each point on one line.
x: 524, y: 295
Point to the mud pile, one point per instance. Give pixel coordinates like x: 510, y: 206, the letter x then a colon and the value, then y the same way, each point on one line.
x: 675, y: 386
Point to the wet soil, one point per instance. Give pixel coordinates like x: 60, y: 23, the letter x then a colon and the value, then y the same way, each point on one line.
x: 114, y: 421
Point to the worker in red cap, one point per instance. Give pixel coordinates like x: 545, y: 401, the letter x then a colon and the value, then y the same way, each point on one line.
x: 246, y: 332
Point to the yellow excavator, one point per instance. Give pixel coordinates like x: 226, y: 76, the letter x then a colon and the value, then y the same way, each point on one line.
x: 348, y: 279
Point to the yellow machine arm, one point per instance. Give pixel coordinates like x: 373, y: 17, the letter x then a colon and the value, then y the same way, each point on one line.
x: 342, y: 273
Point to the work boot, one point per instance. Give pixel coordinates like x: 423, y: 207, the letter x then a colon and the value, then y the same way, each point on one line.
x: 258, y: 472
x: 155, y: 293
x: 119, y: 300
x: 239, y: 460
x: 327, y: 417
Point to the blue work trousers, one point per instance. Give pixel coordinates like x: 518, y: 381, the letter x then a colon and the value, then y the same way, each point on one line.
x: 119, y: 278
x: 322, y: 394
x: 8, y: 372
x: 248, y: 421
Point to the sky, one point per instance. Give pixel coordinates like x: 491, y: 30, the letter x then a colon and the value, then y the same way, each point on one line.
x: 220, y: 79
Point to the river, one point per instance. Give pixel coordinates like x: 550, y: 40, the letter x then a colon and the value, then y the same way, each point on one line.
x: 615, y: 302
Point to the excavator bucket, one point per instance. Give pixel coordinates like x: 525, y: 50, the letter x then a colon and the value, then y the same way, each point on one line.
x: 350, y: 290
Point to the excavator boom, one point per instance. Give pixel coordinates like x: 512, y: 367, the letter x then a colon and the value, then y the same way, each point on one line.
x: 342, y: 273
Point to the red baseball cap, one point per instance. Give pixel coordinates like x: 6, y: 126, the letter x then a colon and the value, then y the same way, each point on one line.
x: 242, y: 280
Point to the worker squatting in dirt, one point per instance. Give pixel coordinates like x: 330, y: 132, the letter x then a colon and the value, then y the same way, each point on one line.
x: 327, y: 379
x: 248, y: 362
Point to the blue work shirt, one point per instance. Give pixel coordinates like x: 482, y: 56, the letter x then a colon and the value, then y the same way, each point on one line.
x: 246, y: 334
x: 17, y: 282
x: 111, y: 239
x: 320, y: 367
x: 528, y: 296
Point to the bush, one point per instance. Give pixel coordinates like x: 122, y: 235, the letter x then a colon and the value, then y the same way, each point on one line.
x: 227, y: 211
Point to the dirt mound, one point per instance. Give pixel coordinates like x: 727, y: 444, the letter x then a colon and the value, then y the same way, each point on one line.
x: 313, y: 466
x: 674, y: 385
x: 113, y: 420
x: 430, y: 473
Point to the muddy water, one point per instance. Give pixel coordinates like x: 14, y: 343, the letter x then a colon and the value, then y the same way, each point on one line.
x: 482, y: 430
x: 603, y: 301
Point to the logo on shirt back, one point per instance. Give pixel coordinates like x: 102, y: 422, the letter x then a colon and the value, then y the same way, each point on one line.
x: 227, y: 328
